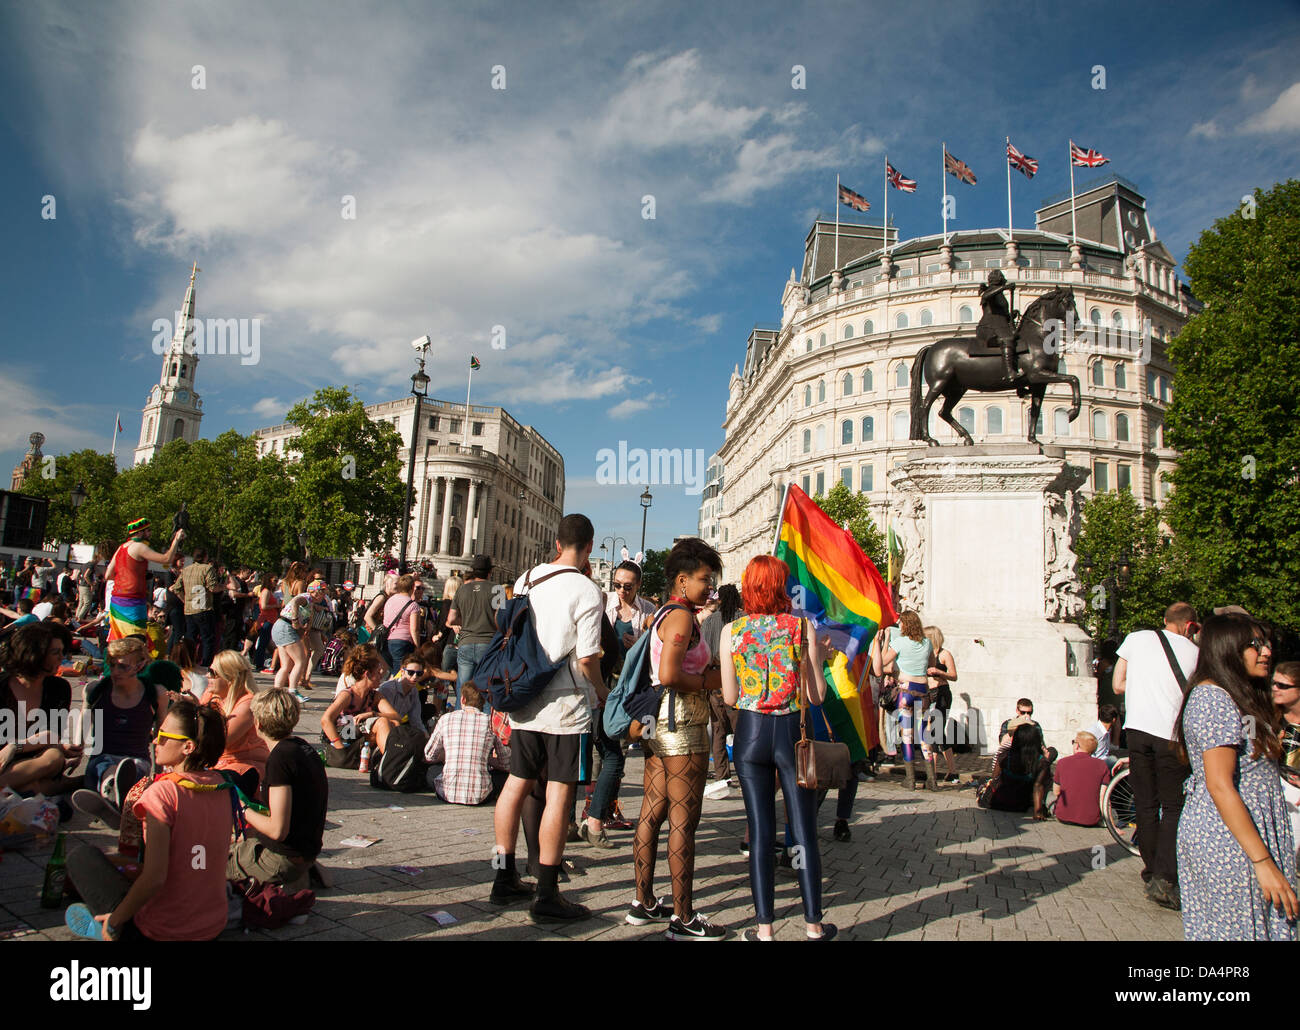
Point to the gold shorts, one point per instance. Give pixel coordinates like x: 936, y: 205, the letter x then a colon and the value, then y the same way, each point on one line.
x: 691, y: 717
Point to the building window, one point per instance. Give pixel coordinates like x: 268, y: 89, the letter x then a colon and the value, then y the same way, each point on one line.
x: 994, y: 420
x: 868, y: 327
x: 966, y: 419
x: 901, y: 425
x: 1123, y: 477
x: 900, y: 374
x: 848, y: 332
x: 1151, y: 385
x: 1100, y: 477
x: 808, y: 346
x: 182, y: 371
x: 865, y: 478
x: 148, y: 433
x: 455, y: 425
x: 1160, y: 435
x: 1164, y: 390
x: 476, y: 429
x: 846, y: 477
x: 992, y: 262
x: 1121, y: 428
x: 1061, y: 422
x: 1099, y: 425
x: 868, y: 429
x: 867, y: 384
x: 1094, y: 316
x: 821, y: 439
x: 927, y: 316
x: 821, y: 340
x: 807, y: 441
x: 807, y: 396
x: 846, y: 431
x: 933, y: 268
x: 433, y: 423
x: 900, y: 321
x: 1121, y: 377
x: 1052, y: 263
x: 965, y: 314
x: 1165, y: 486
x: 1038, y: 424
x: 821, y: 391
x: 848, y: 384
x: 807, y: 485
x: 1116, y: 320
x: 821, y: 484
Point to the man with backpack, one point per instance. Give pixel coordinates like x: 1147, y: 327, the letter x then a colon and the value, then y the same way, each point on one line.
x: 550, y: 734
x: 473, y: 617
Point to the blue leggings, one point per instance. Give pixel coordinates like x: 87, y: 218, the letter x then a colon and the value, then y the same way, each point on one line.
x: 763, y: 749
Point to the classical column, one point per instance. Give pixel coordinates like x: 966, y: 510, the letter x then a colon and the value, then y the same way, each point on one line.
x: 430, y: 511
x: 446, y: 514
x: 484, y: 520
x: 469, y: 536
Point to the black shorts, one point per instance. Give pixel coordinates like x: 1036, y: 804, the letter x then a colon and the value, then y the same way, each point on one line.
x: 556, y: 757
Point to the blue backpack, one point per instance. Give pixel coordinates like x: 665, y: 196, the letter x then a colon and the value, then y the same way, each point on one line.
x: 515, y: 669
x: 634, y: 701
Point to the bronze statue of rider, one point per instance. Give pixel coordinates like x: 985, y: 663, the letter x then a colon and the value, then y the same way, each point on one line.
x: 997, y: 323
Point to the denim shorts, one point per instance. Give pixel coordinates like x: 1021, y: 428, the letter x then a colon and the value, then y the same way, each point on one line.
x: 283, y: 634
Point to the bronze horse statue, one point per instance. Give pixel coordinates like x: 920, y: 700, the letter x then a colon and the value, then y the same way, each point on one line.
x: 955, y: 365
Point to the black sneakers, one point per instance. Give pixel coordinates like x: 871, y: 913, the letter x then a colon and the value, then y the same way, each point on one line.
x: 698, y: 929
x: 558, y: 910
x: 841, y: 831
x: 507, y: 892
x: 639, y: 915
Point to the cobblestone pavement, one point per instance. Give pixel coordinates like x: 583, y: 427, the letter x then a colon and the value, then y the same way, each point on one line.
x: 920, y: 866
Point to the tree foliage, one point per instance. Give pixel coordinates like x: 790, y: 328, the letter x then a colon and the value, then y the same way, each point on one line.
x: 98, y: 517
x: 854, y: 510
x: 652, y: 574
x: 1233, y: 417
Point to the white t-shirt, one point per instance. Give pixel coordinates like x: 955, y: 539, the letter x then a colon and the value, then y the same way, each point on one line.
x: 42, y: 610
x: 1152, y: 696
x: 160, y: 597
x: 566, y: 614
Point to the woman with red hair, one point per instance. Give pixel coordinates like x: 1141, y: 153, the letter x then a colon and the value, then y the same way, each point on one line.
x: 770, y: 668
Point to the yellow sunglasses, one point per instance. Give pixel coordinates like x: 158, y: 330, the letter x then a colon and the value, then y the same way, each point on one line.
x: 171, y: 736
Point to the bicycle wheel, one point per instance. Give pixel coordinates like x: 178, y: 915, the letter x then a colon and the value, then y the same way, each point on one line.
x: 1120, y: 810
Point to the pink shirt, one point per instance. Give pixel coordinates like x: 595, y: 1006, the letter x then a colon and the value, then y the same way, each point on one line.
x: 191, y: 905
x: 245, y: 752
x: 402, y: 627
x: 694, y: 661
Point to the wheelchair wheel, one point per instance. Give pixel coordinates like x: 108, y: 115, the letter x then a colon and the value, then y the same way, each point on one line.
x: 1119, y: 808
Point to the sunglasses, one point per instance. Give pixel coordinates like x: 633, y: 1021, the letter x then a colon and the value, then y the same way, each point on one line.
x: 412, y: 672
x: 116, y: 663
x: 1279, y: 685
x: 1021, y: 711
x: 624, y: 586
x: 1259, y: 644
x: 171, y: 736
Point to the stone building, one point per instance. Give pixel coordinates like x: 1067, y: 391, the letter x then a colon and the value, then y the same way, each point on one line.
x: 173, y: 410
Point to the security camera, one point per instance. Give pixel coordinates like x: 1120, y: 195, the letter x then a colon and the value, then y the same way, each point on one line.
x: 423, y: 343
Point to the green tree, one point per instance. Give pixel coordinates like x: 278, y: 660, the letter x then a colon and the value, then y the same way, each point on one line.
x: 1116, y: 528
x: 348, y: 483
x: 854, y: 510
x: 98, y: 517
x: 652, y: 574
x: 1233, y: 417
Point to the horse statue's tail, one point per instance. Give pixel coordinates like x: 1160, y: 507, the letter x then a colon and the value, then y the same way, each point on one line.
x: 918, y: 426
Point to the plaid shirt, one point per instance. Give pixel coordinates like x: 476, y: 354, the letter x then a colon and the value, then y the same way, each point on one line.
x: 463, y: 740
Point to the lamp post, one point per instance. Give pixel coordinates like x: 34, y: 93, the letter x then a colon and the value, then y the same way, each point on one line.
x: 613, y: 550
x: 302, y: 542
x: 78, y: 498
x: 1117, y: 575
x: 419, y: 390
x: 519, y: 534
x: 645, y: 510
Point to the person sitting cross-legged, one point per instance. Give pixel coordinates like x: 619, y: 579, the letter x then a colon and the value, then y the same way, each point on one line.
x: 1079, y: 779
x: 475, y: 764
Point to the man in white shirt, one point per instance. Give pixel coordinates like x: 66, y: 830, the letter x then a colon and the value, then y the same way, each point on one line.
x: 550, y: 735
x: 1153, y: 696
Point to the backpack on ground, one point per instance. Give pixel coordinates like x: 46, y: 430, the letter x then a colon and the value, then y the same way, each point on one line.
x: 634, y: 701
x: 515, y: 669
x: 401, y: 767
x: 336, y: 650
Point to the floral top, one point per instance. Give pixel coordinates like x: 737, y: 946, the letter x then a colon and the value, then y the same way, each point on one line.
x: 766, y: 651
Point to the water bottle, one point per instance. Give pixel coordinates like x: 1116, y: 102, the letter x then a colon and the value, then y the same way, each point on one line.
x: 365, y: 758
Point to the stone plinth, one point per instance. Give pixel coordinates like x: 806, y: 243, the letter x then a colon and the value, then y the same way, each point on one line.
x: 987, y: 533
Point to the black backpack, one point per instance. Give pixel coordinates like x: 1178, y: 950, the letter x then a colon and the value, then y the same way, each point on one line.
x: 401, y: 767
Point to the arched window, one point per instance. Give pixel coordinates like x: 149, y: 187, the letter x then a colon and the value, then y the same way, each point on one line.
x: 848, y: 332
x: 1121, y: 428
x: 965, y: 314
x: 1098, y: 374
x: 900, y: 320
x: 902, y: 425
x: 994, y: 421
x: 846, y: 431
x: 900, y: 374
x: 868, y: 327
x: 178, y: 429
x: 1094, y: 316
x: 1116, y: 320
x: 821, y: 439
x: 821, y: 390
x: 175, y: 366
x: 1099, y: 425
x: 182, y: 371
x: 822, y: 340
x: 1121, y: 377
x: 867, y: 384
x: 807, y: 441
x: 1160, y: 435
x: 927, y: 316
x: 847, y: 384
x: 807, y: 396
x: 808, y: 346
x: 868, y: 429
x: 966, y: 416
x: 1060, y: 422
x: 1038, y: 424
x: 148, y: 433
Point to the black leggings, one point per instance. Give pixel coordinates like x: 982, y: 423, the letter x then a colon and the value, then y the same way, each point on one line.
x: 763, y: 749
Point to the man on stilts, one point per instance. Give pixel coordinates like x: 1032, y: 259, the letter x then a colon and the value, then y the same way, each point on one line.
x: 128, y: 572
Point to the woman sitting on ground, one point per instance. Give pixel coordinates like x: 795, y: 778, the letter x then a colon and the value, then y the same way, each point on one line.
x: 287, y: 838
x: 127, y: 707
x: 180, y: 894
x: 1021, y: 774
x: 36, y: 762
x: 230, y: 688
x: 349, y: 720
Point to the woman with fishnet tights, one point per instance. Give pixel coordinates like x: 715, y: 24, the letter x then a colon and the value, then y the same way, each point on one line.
x: 677, y: 751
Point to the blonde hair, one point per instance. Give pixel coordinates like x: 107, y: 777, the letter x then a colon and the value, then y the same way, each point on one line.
x: 935, y: 635
x: 276, y: 712
x: 126, y: 646
x: 1086, y: 741
x: 236, y: 670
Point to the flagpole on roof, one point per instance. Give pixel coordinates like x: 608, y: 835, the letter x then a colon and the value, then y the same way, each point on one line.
x: 1011, y: 231
x: 464, y: 438
x: 1074, y: 231
x: 837, y: 222
x: 943, y: 177
x: 885, y: 241
x: 117, y: 421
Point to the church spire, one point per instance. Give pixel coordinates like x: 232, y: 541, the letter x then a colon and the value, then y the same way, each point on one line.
x: 173, y: 410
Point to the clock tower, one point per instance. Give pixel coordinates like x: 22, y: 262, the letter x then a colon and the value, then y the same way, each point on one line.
x: 173, y: 410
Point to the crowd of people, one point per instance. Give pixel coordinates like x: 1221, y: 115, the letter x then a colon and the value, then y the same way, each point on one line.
x: 189, y: 754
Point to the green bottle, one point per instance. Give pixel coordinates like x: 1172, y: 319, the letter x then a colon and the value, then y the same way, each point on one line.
x: 56, y: 875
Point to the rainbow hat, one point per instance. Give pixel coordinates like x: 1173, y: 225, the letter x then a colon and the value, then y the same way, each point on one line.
x: 136, y: 526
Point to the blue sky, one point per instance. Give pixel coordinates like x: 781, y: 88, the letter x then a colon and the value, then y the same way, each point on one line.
x: 523, y: 207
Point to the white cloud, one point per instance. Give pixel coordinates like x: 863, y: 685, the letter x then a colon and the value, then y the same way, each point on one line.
x: 1208, y: 129
x: 26, y: 408
x: 270, y: 408
x: 634, y: 405
x: 1282, y: 116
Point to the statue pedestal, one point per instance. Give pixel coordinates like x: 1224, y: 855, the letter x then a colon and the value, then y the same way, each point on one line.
x: 987, y: 533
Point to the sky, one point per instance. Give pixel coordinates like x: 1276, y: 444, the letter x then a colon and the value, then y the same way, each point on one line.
x: 524, y: 207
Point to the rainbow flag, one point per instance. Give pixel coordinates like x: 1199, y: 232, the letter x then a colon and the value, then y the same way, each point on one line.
x: 848, y: 706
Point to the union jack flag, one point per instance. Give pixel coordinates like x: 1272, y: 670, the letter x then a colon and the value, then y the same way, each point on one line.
x: 1086, y: 158
x: 1021, y: 162
x: 854, y: 200
x: 898, y: 180
x: 959, y: 169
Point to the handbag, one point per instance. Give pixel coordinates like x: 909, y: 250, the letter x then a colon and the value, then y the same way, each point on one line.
x: 820, y: 764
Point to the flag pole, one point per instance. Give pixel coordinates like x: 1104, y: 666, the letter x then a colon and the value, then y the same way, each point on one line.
x: 780, y: 517
x: 885, y: 241
x: 117, y: 421
x: 837, y: 222
x: 1074, y: 231
x: 1011, y: 232
x: 464, y: 437
x: 943, y: 178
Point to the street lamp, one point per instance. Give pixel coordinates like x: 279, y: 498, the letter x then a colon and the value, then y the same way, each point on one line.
x: 519, y: 534
x: 78, y: 498
x: 1116, y: 577
x: 419, y: 390
x: 613, y: 550
x: 645, y: 510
